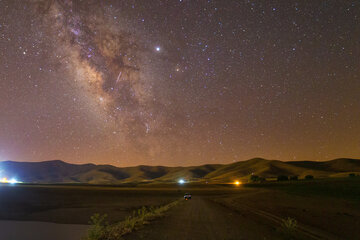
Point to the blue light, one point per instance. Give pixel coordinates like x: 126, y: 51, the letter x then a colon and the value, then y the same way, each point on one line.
x: 181, y: 181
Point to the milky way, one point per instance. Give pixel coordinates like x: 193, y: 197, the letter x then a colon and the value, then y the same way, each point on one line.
x: 179, y: 82
x: 108, y: 65
x: 105, y: 61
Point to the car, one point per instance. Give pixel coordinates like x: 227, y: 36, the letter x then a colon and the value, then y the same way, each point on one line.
x: 187, y: 196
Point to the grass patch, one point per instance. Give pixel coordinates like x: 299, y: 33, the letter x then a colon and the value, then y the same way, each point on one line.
x: 102, y: 230
x: 289, y: 227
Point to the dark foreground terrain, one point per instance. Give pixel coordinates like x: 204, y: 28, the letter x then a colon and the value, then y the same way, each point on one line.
x: 201, y: 218
x: 322, y: 209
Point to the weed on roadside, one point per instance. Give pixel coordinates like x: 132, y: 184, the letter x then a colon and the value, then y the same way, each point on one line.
x: 289, y: 227
x: 101, y: 230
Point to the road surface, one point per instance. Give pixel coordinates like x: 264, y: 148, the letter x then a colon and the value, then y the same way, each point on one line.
x: 200, y: 219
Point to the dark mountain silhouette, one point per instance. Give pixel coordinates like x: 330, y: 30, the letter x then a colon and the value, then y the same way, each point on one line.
x: 57, y: 171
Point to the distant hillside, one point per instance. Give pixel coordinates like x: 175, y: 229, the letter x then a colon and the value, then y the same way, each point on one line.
x: 57, y: 171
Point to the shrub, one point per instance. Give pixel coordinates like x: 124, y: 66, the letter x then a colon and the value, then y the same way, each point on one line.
x: 101, y: 230
x: 294, y: 178
x: 289, y: 226
x: 261, y: 179
x: 282, y: 178
x: 98, y: 230
x: 309, y: 177
x: 254, y: 178
x: 352, y: 175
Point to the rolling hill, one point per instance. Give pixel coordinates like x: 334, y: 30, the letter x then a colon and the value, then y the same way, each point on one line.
x: 57, y: 171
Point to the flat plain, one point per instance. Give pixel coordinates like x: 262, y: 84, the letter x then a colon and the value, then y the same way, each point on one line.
x: 323, y: 209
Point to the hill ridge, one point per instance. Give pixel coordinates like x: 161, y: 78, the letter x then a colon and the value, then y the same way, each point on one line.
x: 58, y: 171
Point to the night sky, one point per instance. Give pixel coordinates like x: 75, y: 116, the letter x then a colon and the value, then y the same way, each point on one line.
x: 179, y: 82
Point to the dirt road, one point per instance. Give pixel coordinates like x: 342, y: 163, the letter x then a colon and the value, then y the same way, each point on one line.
x: 201, y: 218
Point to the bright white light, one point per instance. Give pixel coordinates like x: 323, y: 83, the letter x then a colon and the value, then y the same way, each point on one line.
x: 181, y: 181
x: 157, y: 49
x: 13, y: 181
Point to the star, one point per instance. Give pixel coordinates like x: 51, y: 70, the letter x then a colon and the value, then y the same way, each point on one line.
x: 147, y: 88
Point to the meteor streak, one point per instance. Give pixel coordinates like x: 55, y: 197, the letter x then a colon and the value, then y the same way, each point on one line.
x: 119, y: 76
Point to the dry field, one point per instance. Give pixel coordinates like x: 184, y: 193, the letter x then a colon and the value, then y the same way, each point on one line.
x: 321, y: 209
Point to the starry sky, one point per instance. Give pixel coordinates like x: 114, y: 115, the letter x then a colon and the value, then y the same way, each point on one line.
x: 179, y: 82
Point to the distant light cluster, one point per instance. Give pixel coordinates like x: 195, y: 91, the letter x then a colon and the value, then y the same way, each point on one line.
x: 10, y: 181
x: 181, y: 181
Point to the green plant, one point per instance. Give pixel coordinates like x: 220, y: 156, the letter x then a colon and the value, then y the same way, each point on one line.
x: 262, y: 179
x: 98, y: 230
x: 282, y: 178
x: 309, y: 177
x: 101, y: 230
x: 294, y: 178
x: 289, y: 226
x: 254, y: 178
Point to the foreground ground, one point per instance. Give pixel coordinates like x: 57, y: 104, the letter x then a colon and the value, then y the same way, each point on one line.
x: 76, y: 204
x: 201, y: 218
x: 327, y: 209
